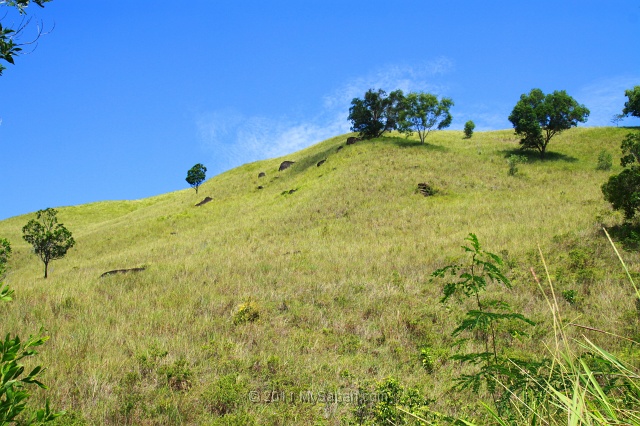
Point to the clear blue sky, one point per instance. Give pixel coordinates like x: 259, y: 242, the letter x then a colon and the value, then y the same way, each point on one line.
x: 122, y: 98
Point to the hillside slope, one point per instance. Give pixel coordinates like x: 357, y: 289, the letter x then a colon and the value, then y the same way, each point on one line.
x: 336, y: 259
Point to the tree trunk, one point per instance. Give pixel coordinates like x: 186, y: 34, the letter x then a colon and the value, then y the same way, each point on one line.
x: 46, y: 267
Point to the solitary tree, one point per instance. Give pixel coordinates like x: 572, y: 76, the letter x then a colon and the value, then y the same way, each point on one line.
x: 468, y: 129
x: 632, y: 106
x: 376, y: 113
x: 421, y: 112
x: 196, y: 175
x: 9, y: 47
x: 623, y: 190
x: 50, y: 239
x: 538, y: 117
x: 617, y: 118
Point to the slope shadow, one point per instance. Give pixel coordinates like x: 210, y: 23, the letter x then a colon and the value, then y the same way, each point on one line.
x: 411, y: 143
x: 302, y: 164
x: 534, y: 156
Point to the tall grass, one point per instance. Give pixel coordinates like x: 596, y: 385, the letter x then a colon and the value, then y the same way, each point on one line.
x: 574, y: 392
x: 337, y: 272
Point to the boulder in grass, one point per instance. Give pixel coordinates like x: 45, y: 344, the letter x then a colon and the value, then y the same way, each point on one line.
x: 285, y: 165
x: 351, y: 140
x: 122, y: 271
x: 205, y: 201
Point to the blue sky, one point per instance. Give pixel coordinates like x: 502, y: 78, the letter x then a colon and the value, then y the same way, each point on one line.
x: 119, y: 100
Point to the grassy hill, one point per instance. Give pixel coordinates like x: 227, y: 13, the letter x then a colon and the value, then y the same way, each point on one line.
x: 335, y: 260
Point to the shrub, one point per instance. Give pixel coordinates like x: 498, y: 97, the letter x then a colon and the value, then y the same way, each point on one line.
x: 605, y: 161
x: 513, y: 161
x: 224, y: 396
x: 468, y: 129
x: 246, y: 312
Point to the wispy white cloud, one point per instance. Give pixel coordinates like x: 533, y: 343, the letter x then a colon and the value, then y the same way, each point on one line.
x: 392, y: 77
x: 605, y: 98
x: 235, y: 139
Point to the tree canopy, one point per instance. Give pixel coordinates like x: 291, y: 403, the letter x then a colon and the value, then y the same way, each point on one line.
x: 50, y: 239
x: 623, y: 190
x: 421, y: 112
x: 196, y: 175
x: 538, y: 117
x: 632, y: 106
x: 376, y: 113
x: 9, y: 47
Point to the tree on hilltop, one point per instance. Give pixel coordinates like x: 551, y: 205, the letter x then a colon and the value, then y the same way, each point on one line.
x: 632, y: 106
x: 538, y: 117
x: 468, y: 129
x: 421, y: 112
x: 376, y: 113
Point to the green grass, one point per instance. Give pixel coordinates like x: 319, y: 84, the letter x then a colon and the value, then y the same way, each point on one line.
x: 338, y: 270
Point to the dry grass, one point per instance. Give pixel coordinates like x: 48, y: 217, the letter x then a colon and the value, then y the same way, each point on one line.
x: 339, y: 270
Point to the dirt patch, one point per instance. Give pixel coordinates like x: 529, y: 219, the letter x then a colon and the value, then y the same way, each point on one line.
x: 321, y: 162
x: 426, y: 189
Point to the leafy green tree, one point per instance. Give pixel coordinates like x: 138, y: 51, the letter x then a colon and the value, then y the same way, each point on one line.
x: 196, y: 175
x: 623, y: 190
x: 538, y: 117
x: 9, y: 48
x: 50, y: 239
x: 468, y: 129
x: 421, y: 112
x: 376, y: 113
x: 632, y: 106
x: 5, y: 252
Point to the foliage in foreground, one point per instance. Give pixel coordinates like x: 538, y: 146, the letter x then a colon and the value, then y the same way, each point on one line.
x: 9, y: 49
x: 579, y: 384
x: 14, y: 384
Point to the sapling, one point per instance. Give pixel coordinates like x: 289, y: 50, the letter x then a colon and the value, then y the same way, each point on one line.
x: 486, y: 321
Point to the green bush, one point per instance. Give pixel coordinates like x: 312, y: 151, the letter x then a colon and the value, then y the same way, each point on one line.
x: 513, y: 161
x: 468, y: 129
x: 224, y: 396
x: 605, y: 161
x: 623, y: 190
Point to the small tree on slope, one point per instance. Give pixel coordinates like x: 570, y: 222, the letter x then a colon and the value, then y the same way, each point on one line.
x: 50, y: 239
x: 196, y: 175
